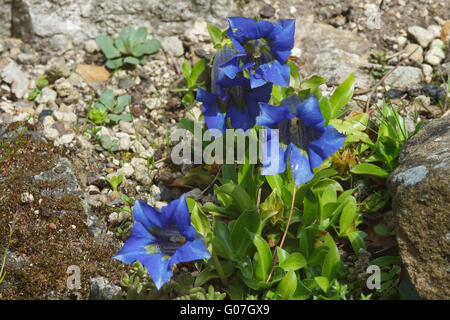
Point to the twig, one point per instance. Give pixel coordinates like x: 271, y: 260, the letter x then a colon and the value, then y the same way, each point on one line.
x: 374, y: 88
x: 284, y: 234
x: 258, y: 201
x: 212, y: 182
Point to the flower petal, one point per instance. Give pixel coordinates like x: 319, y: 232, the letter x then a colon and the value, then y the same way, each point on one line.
x: 158, y: 267
x: 299, y: 164
x: 132, y: 249
x: 273, y: 159
x: 309, y: 112
x: 213, y: 118
x: 329, y: 141
x: 240, y: 118
x: 177, y: 212
x: 243, y: 29
x: 190, y: 251
x: 271, y: 115
x: 283, y: 39
x: 275, y: 72
x: 257, y: 95
x: 256, y: 80
x: 147, y: 215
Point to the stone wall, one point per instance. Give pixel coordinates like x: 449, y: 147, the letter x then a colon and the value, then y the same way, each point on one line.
x: 56, y: 24
x: 5, y: 18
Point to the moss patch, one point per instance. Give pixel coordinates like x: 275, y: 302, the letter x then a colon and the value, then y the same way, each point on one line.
x: 50, y: 243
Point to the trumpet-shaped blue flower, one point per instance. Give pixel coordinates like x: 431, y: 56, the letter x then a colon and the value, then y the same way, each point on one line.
x: 262, y: 48
x: 162, y: 239
x: 232, y: 100
x: 302, y: 129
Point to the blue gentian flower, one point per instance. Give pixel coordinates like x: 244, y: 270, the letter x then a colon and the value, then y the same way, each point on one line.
x: 232, y: 100
x: 302, y: 130
x: 262, y: 48
x: 162, y: 239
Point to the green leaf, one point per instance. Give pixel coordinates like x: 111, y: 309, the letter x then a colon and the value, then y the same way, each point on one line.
x: 306, y: 242
x: 148, y: 47
x: 356, y: 241
x: 263, y: 257
x: 313, y: 82
x: 138, y: 36
x: 348, y: 215
x: 282, y: 255
x: 295, y: 77
x: 287, y: 286
x: 131, y: 60
x: 310, y: 208
x: 114, y: 64
x: 331, y: 259
x: 200, y: 221
x: 240, y: 197
x: 293, y: 262
x: 215, y: 33
x: 107, y: 99
x: 246, y: 267
x: 106, y: 44
x: 275, y: 182
x: 123, y: 100
x: 381, y: 229
x: 386, y: 260
x: 342, y: 96
x: 370, y: 169
x: 323, y: 283
x: 187, y: 69
x: 221, y: 240
x: 229, y: 172
x: 247, y: 221
x: 197, y: 70
x: 325, y: 108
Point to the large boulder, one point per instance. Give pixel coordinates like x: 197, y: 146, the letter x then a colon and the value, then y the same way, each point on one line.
x: 332, y: 53
x: 420, y: 189
x: 5, y: 18
x: 57, y: 23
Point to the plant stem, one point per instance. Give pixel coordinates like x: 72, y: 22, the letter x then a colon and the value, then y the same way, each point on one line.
x: 275, y: 259
x: 218, y: 267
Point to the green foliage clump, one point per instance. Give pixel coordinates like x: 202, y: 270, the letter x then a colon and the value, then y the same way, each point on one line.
x: 130, y: 47
x: 109, y: 109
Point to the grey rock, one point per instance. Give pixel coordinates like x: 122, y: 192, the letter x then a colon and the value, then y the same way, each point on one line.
x: 91, y: 46
x: 18, y: 79
x: 267, y: 11
x: 141, y: 172
x: 404, y: 77
x: 67, y: 92
x: 57, y: 71
x: 102, y: 289
x: 5, y: 18
x: 26, y: 197
x: 195, y: 194
x: 59, y: 181
x: 57, y: 24
x: 420, y: 189
x: 47, y: 96
x: 332, y: 53
x: 173, y: 46
x: 421, y: 35
x: 434, y: 56
x: 26, y: 58
x: 415, y: 51
x: 126, y: 83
